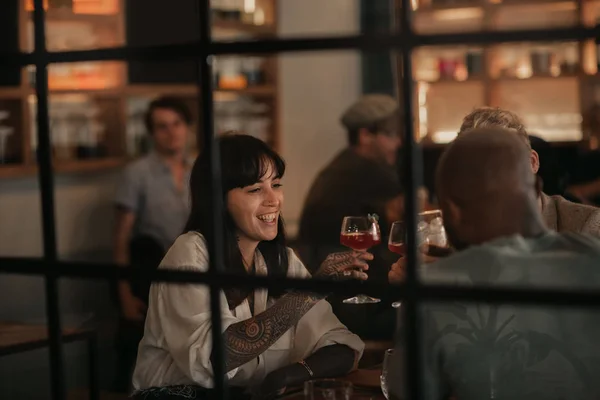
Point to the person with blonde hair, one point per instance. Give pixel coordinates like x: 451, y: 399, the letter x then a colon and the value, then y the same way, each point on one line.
x: 559, y: 214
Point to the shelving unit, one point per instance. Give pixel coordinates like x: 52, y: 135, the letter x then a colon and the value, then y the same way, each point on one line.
x: 552, y: 86
x: 101, y: 91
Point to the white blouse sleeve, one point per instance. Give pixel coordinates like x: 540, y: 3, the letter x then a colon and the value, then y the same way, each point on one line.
x: 319, y: 327
x: 181, y: 312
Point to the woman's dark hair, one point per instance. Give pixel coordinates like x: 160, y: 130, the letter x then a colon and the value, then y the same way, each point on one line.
x: 244, y: 161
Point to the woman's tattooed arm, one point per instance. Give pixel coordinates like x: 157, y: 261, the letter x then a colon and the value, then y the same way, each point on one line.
x: 246, y: 340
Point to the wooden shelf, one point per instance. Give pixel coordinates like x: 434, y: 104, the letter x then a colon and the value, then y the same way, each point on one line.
x: 251, y: 29
x: 454, y: 6
x: 535, y: 78
x: 63, y: 167
x: 261, y: 91
x: 113, y: 92
x: 65, y: 14
x: 16, y: 170
x: 11, y: 92
x: 451, y: 80
x: 192, y: 90
x: 499, y: 3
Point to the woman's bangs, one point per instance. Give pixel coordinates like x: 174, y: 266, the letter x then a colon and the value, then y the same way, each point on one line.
x: 254, y: 168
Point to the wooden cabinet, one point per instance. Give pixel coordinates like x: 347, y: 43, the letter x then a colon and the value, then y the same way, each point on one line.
x: 553, y: 85
x: 95, y: 107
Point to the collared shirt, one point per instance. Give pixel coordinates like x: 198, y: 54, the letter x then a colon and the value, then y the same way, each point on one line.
x: 176, y: 347
x: 148, y: 189
x: 476, y: 350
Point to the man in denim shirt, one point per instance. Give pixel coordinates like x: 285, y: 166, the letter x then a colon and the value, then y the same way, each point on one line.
x: 152, y: 207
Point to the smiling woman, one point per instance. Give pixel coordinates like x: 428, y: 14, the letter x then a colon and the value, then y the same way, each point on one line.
x: 272, y: 339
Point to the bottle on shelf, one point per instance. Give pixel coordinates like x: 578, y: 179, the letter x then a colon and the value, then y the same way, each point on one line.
x: 5, y: 133
x: 231, y: 75
x: 474, y: 62
x: 90, y: 135
x: 541, y: 61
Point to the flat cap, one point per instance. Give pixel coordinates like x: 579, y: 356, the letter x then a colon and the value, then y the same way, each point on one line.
x: 369, y: 110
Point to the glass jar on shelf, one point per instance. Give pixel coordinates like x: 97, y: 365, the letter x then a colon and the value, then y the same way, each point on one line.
x: 253, y: 68
x: 61, y: 134
x: 6, y: 132
x: 231, y: 10
x: 231, y: 75
x: 426, y: 66
x: 541, y: 60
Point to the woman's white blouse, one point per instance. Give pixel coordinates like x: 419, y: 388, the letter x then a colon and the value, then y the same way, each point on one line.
x: 176, y: 346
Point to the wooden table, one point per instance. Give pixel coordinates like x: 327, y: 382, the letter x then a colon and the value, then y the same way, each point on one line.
x: 19, y: 338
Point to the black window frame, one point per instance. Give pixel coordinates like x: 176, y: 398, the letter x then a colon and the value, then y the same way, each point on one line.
x: 411, y: 292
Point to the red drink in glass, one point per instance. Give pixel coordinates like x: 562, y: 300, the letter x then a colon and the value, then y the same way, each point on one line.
x: 357, y: 240
x: 397, y: 248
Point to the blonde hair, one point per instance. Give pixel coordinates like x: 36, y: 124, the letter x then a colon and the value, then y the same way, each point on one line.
x: 494, y: 117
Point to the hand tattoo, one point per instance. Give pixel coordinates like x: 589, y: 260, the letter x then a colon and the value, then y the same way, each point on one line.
x: 336, y: 264
x: 246, y: 340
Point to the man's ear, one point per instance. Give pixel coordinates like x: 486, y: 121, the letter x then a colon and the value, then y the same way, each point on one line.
x: 453, y: 213
x: 535, y: 161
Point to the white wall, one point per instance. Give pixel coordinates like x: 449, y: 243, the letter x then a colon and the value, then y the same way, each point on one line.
x: 83, y: 215
x: 316, y: 88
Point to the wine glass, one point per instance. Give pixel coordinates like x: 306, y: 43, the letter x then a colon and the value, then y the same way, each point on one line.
x: 328, y: 389
x: 360, y: 234
x: 431, y: 237
x: 386, y: 372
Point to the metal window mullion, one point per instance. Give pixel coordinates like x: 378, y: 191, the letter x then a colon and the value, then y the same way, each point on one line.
x: 206, y: 138
x: 371, y: 42
x: 46, y: 179
x: 412, y: 176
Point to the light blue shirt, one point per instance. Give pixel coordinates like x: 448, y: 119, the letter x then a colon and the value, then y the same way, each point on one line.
x: 147, y: 188
x: 480, y: 351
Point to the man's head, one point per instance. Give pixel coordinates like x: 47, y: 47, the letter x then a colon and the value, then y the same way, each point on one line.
x: 486, y: 188
x: 168, y: 121
x: 494, y: 117
x: 372, y: 125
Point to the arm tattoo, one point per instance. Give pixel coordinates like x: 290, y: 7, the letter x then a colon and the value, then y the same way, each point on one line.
x: 334, y: 265
x: 246, y: 340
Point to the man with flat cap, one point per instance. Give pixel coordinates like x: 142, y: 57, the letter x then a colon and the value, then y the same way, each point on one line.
x: 361, y: 179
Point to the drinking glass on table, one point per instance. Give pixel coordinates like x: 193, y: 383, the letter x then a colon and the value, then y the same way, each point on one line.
x: 386, y: 372
x: 328, y: 389
x: 360, y: 234
x: 431, y: 237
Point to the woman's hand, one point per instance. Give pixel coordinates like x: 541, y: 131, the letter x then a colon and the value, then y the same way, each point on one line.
x: 344, y: 265
x: 274, y: 384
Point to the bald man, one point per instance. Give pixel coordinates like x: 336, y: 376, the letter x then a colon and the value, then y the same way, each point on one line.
x: 475, y: 351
